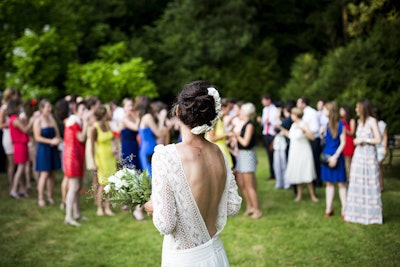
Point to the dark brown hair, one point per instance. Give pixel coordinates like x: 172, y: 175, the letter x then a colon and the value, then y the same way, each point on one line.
x: 195, y: 106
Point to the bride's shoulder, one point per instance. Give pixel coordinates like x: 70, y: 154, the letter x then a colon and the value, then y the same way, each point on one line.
x: 164, y: 149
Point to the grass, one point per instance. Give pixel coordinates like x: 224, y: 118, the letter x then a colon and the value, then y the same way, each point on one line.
x: 289, y: 233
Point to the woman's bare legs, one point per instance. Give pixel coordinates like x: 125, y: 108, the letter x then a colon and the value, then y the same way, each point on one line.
x: 347, y: 161
x: 329, y: 194
x: 72, y: 199
x: 17, y: 181
x: 64, y: 189
x: 381, y: 174
x: 99, y: 201
x: 312, y: 193
x: 43, y: 177
x: 298, y: 192
x: 50, y: 187
x: 10, y: 169
x: 250, y: 187
x: 27, y: 171
x: 240, y: 182
x: 342, y: 195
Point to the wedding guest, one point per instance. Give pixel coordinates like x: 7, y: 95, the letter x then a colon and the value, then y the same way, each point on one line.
x: 92, y: 103
x: 350, y: 129
x: 322, y: 118
x: 382, y: 146
x: 104, y: 155
x: 160, y: 110
x: 364, y: 203
x: 8, y: 94
x: 310, y: 118
x: 193, y: 187
x: 31, y: 113
x: 218, y: 135
x: 73, y: 161
x: 19, y: 137
x: 129, y: 144
x: 268, y: 121
x: 300, y: 166
x: 334, y: 171
x: 129, y: 126
x: 246, y: 160
x: 61, y: 113
x: 281, y: 147
x: 47, y: 136
x: 149, y: 130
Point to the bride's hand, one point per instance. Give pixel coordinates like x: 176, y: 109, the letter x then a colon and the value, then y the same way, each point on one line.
x: 148, y: 207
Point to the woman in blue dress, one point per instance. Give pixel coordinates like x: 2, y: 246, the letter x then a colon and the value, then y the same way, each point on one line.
x: 129, y: 137
x: 150, y: 127
x: 47, y: 136
x: 334, y: 170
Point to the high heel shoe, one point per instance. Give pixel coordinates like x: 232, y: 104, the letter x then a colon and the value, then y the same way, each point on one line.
x: 51, y: 201
x: 328, y: 214
x: 256, y: 215
x: 248, y: 212
x: 41, y: 203
x: 14, y: 196
x: 72, y: 223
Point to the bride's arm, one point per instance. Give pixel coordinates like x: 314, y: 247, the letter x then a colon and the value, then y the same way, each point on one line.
x: 164, y: 209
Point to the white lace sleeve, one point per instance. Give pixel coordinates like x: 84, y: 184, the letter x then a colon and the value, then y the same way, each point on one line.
x: 234, y: 201
x: 164, y: 214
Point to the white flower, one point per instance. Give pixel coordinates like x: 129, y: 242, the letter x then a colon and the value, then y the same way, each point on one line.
x: 205, y: 127
x: 119, y: 174
x: 115, y: 72
x: 19, y: 52
x: 28, y: 31
x: 46, y: 28
x: 107, y: 188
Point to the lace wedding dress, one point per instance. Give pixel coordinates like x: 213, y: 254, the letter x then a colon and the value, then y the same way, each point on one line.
x: 176, y: 215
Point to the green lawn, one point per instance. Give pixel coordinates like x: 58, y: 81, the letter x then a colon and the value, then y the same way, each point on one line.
x: 289, y: 233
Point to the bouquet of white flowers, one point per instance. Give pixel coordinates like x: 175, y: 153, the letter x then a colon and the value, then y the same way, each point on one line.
x: 128, y: 187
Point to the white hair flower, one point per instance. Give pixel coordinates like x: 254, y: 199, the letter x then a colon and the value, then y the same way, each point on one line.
x: 205, y: 127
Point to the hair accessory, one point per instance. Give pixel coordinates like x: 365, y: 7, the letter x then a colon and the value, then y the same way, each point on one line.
x: 33, y: 102
x: 205, y: 127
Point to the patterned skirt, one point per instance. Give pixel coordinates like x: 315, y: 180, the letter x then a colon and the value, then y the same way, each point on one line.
x: 364, y: 204
x: 246, y: 161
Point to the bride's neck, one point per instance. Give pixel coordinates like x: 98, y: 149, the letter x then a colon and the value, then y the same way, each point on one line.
x: 189, y: 138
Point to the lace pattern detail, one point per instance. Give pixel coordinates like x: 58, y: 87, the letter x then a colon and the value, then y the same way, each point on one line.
x: 175, y: 209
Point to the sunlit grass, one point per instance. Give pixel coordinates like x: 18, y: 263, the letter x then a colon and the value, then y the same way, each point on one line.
x: 289, y: 233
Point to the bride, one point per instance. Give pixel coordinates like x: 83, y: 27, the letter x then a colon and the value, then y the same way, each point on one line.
x: 194, y: 189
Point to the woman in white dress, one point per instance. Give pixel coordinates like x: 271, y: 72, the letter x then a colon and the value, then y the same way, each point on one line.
x: 8, y: 94
x: 194, y: 189
x: 300, y: 166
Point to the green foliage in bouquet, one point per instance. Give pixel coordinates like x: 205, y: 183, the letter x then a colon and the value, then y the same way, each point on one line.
x: 128, y: 187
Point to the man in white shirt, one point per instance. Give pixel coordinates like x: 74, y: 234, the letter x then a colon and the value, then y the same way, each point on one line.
x: 310, y: 116
x: 268, y: 121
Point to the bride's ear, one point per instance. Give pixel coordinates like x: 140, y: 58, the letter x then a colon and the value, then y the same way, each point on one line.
x: 176, y: 110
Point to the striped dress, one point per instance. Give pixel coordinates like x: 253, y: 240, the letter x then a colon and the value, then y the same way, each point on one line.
x: 364, y: 204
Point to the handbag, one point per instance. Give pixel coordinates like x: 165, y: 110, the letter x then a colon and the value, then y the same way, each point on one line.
x: 324, y: 159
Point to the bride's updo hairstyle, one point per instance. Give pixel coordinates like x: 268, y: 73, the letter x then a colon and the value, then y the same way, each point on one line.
x: 196, y: 106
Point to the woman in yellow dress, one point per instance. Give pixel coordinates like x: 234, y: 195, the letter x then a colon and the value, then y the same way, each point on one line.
x: 218, y: 135
x: 104, y: 154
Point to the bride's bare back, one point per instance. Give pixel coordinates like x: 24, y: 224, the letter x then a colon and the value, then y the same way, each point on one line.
x: 205, y: 170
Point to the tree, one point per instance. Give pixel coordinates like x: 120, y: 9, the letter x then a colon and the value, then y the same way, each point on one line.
x: 112, y: 76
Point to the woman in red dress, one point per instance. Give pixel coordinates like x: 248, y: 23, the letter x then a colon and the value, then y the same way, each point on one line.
x: 73, y: 160
x: 350, y: 128
x: 20, y: 139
